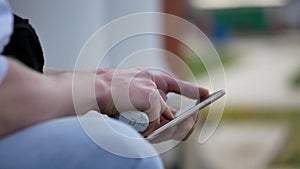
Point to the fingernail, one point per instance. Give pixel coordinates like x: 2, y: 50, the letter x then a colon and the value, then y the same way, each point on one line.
x: 172, y: 114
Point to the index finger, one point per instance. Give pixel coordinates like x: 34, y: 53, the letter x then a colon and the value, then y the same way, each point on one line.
x: 170, y: 84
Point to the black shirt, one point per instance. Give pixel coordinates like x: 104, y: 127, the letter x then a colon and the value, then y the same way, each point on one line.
x: 24, y: 45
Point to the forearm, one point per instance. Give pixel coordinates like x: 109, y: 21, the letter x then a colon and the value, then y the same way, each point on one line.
x: 53, y: 71
x: 28, y: 97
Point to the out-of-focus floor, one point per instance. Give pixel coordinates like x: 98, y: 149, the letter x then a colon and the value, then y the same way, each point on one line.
x: 242, y: 145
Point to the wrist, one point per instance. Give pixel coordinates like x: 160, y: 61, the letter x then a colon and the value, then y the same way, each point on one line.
x: 103, y: 92
x: 77, y: 92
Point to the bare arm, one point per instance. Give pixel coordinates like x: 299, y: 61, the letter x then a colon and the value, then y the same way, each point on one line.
x: 28, y: 97
x: 53, y: 71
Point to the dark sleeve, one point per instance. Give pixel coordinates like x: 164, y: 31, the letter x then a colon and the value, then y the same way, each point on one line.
x: 24, y: 45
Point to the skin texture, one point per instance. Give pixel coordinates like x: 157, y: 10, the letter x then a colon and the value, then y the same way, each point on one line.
x: 28, y: 97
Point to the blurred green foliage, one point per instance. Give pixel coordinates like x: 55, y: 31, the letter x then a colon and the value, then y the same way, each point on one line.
x: 296, y: 80
x: 198, y: 68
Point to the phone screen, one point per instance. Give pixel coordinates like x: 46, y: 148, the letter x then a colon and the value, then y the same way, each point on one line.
x: 187, y: 112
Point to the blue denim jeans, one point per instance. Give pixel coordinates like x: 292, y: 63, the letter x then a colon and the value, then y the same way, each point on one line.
x: 64, y: 144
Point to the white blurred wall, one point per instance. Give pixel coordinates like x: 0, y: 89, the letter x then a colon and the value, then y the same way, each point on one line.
x: 64, y: 26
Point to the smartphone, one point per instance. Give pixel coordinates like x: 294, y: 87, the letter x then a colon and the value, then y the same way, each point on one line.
x: 187, y: 112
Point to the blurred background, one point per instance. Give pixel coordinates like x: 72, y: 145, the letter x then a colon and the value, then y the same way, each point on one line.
x: 258, y: 43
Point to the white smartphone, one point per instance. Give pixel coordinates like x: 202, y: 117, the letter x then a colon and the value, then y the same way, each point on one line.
x: 187, y: 112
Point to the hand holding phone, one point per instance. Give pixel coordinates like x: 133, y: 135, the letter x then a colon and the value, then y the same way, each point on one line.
x: 140, y: 121
x: 187, y: 112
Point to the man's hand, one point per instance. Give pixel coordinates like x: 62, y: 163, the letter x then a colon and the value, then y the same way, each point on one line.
x: 136, y: 89
x: 179, y: 132
x: 43, y: 97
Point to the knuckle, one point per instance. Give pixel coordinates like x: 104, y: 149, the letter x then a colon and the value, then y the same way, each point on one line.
x: 137, y: 69
x: 149, y: 83
x: 167, y: 77
x: 146, y: 74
